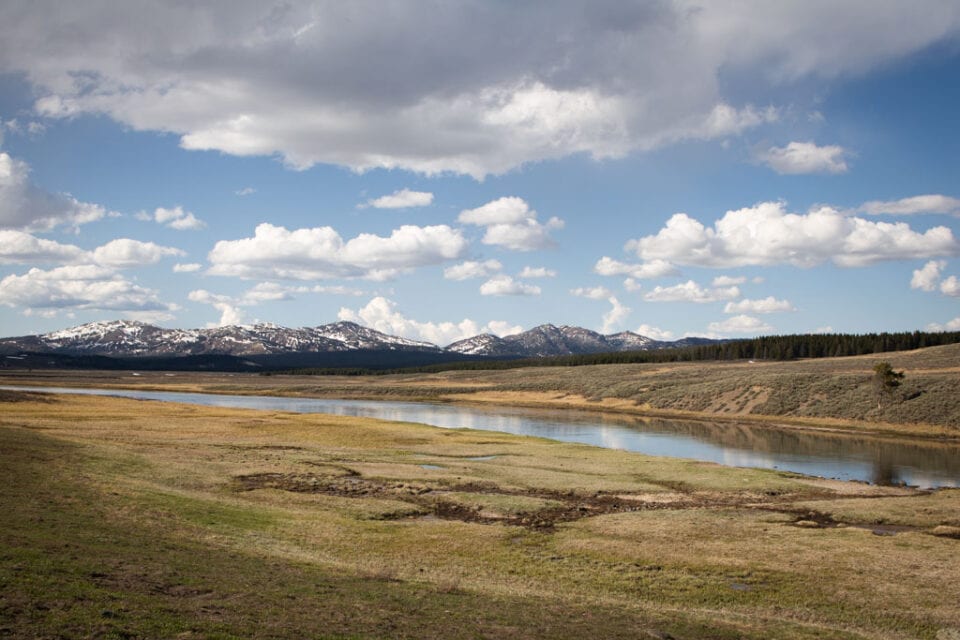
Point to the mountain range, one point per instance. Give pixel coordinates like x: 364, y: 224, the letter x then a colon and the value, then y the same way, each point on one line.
x: 131, y: 339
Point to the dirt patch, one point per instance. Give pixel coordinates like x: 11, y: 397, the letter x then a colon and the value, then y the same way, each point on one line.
x: 25, y: 396
x: 436, y: 500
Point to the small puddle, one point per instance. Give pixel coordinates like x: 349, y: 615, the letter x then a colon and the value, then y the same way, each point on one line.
x: 431, y: 466
x: 482, y: 458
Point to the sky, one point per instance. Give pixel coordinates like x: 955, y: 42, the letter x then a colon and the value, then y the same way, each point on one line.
x: 438, y: 170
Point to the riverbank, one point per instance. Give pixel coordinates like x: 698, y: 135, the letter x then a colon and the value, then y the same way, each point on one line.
x: 834, y: 394
x: 182, y: 520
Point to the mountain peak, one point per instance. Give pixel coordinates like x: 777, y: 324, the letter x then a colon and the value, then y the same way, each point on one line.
x: 125, y: 338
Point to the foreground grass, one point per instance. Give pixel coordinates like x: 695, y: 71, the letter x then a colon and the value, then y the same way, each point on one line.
x: 133, y: 519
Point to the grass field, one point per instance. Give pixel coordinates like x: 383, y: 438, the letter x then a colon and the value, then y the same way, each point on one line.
x: 130, y: 519
x: 834, y: 393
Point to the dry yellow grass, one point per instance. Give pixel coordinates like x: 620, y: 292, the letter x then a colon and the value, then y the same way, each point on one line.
x: 541, y: 531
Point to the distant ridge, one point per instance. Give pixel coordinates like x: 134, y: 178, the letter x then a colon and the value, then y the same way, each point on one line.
x: 131, y: 339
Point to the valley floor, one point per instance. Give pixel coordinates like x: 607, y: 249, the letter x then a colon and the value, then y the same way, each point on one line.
x: 829, y: 393
x: 186, y: 521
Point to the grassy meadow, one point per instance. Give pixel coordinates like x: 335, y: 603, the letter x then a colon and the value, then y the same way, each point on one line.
x: 127, y: 519
x: 827, y: 393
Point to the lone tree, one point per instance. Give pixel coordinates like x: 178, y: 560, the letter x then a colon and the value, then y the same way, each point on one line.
x: 885, y: 380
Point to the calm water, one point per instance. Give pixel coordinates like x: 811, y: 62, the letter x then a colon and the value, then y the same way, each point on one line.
x: 881, y: 461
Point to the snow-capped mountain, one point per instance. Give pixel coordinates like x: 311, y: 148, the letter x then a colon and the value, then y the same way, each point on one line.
x: 125, y: 338
x: 128, y: 338
x: 549, y: 340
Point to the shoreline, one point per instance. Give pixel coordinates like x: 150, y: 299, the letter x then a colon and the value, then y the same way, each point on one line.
x: 547, y: 400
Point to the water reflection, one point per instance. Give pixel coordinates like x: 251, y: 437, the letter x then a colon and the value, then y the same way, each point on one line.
x: 848, y: 457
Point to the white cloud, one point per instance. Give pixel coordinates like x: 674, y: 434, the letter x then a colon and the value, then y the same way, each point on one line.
x: 319, y: 253
x: 402, y: 199
x: 369, y: 85
x: 177, y: 218
x: 614, y: 318
x: 511, y: 223
x: 231, y: 307
x: 502, y: 328
x: 925, y: 204
x: 25, y: 206
x: 728, y: 281
x: 594, y: 293
x: 952, y: 325
x: 654, y: 332
x: 189, y: 267
x: 504, y: 285
x: 766, y: 305
x: 124, y: 252
x: 230, y: 313
x: 607, y: 266
x: 632, y: 285
x: 382, y: 314
x: 690, y: 291
x: 472, y: 269
x: 740, y: 324
x: 77, y: 287
x: 766, y: 234
x: 805, y: 157
x: 950, y: 287
x: 537, y: 272
x: 927, y: 277
x: 19, y: 247
x: 246, y: 191
x: 824, y: 330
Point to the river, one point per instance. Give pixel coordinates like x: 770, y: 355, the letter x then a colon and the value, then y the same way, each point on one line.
x: 913, y: 462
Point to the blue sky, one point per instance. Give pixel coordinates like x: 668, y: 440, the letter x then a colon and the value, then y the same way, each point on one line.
x: 435, y: 171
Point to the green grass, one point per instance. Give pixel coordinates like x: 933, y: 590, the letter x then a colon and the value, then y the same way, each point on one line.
x: 204, y: 522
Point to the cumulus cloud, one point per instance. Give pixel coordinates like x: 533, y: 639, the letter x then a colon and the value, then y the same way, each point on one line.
x: 607, y: 266
x: 654, y: 332
x: 319, y: 253
x: 504, y: 285
x: 766, y: 234
x: 952, y: 325
x: 189, y: 267
x: 927, y: 277
x: 472, y: 269
x: 78, y: 287
x: 950, y: 287
x: 537, y: 272
x: 925, y: 204
x: 124, y: 252
x: 690, y: 291
x: 176, y: 218
x: 594, y: 293
x: 19, y: 247
x: 805, y: 157
x: 740, y: 324
x: 369, y: 85
x: 402, y: 199
x: 728, y: 281
x: 230, y: 313
x: 511, y: 223
x: 25, y: 206
x: 615, y: 317
x: 765, y: 305
x: 382, y: 314
x: 231, y: 308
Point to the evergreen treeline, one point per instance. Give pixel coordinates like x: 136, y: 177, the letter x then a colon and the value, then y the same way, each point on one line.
x: 762, y: 348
